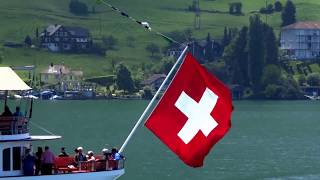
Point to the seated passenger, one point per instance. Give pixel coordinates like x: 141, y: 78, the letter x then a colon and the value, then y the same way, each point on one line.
x: 6, y: 112
x: 28, y: 163
x: 63, y: 153
x: 90, y: 156
x: 107, y: 154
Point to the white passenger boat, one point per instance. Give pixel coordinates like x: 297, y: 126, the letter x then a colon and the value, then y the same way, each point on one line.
x: 15, y: 139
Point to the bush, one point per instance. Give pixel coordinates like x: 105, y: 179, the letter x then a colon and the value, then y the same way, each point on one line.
x: 268, y: 10
x: 102, y: 80
x: 99, y: 49
x: 235, y: 8
x: 78, y: 8
x: 147, y: 94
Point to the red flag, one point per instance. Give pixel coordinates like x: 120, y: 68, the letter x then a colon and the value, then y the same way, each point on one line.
x: 193, y: 114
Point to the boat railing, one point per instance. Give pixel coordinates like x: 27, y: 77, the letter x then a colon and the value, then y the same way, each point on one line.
x: 101, y: 165
x: 10, y: 125
x: 66, y: 164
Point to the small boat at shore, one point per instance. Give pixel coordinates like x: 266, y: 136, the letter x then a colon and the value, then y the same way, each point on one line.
x: 312, y: 97
x: 15, y: 139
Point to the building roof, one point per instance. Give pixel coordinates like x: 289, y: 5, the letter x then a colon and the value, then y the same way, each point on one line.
x: 73, y: 30
x: 304, y: 25
x: 10, y: 81
x: 154, y: 78
x: 51, y: 29
x: 77, y: 31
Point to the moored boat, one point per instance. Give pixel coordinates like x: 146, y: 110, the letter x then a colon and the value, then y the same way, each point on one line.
x: 15, y: 139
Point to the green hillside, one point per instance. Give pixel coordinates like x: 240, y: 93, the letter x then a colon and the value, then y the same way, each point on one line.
x: 20, y: 18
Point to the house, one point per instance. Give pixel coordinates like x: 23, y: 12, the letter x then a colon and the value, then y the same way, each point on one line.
x: 65, y: 38
x: 301, y: 40
x: 61, y: 76
x: 154, y: 81
x: 203, y: 51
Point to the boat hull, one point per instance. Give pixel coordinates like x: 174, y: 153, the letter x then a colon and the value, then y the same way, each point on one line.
x: 102, y: 175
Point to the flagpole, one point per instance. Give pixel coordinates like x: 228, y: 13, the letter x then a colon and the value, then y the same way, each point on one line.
x: 153, y: 99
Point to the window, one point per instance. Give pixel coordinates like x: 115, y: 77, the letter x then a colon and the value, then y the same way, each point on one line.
x: 16, y: 153
x: 6, y: 163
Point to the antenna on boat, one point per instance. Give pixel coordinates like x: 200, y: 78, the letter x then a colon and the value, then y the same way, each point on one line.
x: 147, y: 26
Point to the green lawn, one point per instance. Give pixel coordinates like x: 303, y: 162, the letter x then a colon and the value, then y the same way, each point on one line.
x: 20, y: 18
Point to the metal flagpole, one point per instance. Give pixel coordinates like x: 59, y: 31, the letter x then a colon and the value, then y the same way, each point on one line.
x: 153, y: 99
x: 146, y: 25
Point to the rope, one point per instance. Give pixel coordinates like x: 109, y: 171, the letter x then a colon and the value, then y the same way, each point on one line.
x: 42, y: 128
x: 144, y: 24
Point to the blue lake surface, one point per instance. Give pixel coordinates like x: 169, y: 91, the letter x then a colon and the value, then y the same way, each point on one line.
x: 268, y: 139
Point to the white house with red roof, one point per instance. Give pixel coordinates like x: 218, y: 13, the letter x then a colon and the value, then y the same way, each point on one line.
x: 301, y: 40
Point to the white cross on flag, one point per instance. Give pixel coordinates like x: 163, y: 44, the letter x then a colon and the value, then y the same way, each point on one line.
x: 193, y: 114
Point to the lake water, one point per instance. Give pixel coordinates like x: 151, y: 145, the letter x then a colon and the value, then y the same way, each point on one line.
x: 268, y: 139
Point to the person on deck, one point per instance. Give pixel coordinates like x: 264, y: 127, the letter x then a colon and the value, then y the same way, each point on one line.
x: 79, y: 156
x: 47, y: 161
x: 6, y: 112
x: 38, y: 160
x: 116, y: 155
x: 18, y: 112
x: 107, y: 154
x: 90, y: 156
x: 63, y: 153
x: 28, y: 163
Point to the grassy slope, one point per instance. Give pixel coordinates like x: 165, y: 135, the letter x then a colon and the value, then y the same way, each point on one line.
x: 19, y: 18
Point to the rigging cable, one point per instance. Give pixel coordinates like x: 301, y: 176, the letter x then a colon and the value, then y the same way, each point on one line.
x: 144, y: 24
x: 42, y: 128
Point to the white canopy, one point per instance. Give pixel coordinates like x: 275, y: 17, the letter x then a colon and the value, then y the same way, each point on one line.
x: 10, y: 81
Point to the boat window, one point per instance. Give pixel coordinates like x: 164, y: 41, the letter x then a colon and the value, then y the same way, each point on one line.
x: 6, y: 159
x: 16, y: 152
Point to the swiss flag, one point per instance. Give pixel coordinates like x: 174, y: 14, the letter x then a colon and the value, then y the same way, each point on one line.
x: 193, y: 114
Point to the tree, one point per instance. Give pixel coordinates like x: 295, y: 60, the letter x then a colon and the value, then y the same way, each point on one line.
x: 78, y: 8
x: 256, y: 53
x: 209, y: 49
x: 152, y: 48
x: 278, y: 6
x: 225, y: 39
x: 147, y: 94
x: 109, y: 42
x: 236, y: 58
x: 271, y: 46
x: 288, y: 14
x: 313, y: 79
x: 166, y: 65
x: 235, y: 8
x: 124, y: 80
x: 271, y: 75
x: 27, y: 40
x: 1, y: 55
x: 37, y: 33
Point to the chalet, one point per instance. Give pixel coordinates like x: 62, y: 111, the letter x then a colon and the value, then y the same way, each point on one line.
x: 61, y: 76
x: 65, y: 38
x: 301, y: 40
